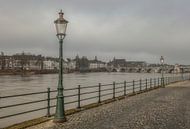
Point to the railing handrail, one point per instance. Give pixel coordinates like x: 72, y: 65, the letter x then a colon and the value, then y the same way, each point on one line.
x: 26, y: 94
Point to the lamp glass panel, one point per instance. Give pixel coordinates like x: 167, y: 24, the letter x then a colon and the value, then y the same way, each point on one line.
x: 60, y: 28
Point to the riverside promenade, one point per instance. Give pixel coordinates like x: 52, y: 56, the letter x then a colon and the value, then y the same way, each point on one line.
x: 163, y: 108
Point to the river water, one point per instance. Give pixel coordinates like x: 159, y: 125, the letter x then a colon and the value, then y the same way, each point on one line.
x: 11, y: 85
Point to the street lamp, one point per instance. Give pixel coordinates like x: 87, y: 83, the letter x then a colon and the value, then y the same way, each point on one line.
x: 162, y: 65
x: 61, y: 26
x: 182, y: 70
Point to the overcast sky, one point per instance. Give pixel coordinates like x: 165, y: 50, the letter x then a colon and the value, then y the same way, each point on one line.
x: 131, y: 29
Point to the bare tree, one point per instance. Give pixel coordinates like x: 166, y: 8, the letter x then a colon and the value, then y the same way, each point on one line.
x: 2, y: 61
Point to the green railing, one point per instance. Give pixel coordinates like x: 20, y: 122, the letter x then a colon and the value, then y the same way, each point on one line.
x: 97, y: 93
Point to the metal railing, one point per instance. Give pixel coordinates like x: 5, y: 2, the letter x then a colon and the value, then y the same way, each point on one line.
x: 98, y: 92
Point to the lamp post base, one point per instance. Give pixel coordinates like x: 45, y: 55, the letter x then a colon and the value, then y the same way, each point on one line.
x: 60, y: 111
x: 56, y: 120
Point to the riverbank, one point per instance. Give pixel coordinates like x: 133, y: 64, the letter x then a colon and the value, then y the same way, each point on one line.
x: 27, y: 72
x: 33, y: 72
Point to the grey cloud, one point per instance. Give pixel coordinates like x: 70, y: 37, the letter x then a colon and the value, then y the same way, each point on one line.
x: 132, y: 29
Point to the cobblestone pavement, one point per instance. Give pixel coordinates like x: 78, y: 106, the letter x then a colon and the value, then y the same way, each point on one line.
x: 164, y: 108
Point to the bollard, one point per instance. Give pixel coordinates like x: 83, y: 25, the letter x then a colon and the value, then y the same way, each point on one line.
x: 150, y: 83
x: 140, y: 85
x: 99, y: 91
x: 79, y: 97
x: 48, y: 102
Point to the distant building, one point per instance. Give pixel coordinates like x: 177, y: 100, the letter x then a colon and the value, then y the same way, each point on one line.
x: 80, y: 64
x: 177, y: 68
x: 96, y: 64
x: 136, y: 64
x: 116, y: 63
x: 26, y: 61
x: 83, y: 64
x: 71, y: 64
x: 50, y: 63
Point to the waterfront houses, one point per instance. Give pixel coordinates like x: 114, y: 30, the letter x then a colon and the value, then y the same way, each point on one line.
x: 26, y: 61
x: 96, y: 65
x: 30, y: 62
x: 50, y: 63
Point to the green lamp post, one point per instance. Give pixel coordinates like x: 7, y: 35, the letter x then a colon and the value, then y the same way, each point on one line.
x: 61, y: 26
x: 162, y: 70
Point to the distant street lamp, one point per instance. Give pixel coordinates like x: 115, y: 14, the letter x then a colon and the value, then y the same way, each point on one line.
x: 182, y: 70
x: 162, y: 70
x: 61, y: 26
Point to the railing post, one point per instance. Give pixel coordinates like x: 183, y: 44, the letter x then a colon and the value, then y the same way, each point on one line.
x: 146, y: 84
x: 79, y: 96
x: 140, y: 85
x: 133, y: 86
x: 113, y: 90
x: 158, y: 82
x: 154, y: 82
x: 167, y: 80
x: 150, y: 83
x: 99, y: 91
x: 48, y: 102
x: 161, y: 81
x: 125, y: 88
x: 172, y: 79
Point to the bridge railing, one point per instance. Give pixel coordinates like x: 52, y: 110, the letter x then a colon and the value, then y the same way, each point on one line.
x: 77, y: 98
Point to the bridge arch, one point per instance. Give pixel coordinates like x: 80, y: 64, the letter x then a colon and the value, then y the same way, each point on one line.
x: 122, y: 70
